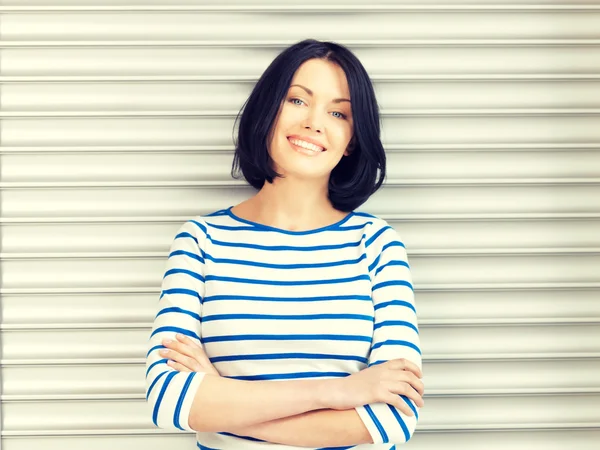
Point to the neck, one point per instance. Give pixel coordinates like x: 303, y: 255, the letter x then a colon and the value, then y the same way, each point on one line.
x: 295, y: 203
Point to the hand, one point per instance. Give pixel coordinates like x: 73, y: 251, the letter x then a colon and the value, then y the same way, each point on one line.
x: 185, y: 355
x: 381, y: 383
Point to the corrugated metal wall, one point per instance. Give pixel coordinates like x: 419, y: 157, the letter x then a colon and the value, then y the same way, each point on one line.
x: 116, y: 125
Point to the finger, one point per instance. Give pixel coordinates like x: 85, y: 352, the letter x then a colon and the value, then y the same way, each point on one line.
x: 409, y: 365
x: 402, y: 388
x: 186, y: 340
x: 416, y: 383
x: 179, y: 347
x: 186, y: 361
x: 197, y: 351
x: 177, y: 366
x: 396, y: 400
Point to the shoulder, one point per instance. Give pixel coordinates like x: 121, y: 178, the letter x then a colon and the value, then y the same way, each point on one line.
x: 378, y: 231
x: 201, y: 225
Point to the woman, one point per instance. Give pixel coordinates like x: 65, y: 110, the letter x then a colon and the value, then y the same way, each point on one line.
x: 290, y: 319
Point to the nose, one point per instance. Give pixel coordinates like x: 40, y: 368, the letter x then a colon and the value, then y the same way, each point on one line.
x: 311, y: 122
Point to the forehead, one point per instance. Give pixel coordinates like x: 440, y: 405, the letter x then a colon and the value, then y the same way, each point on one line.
x: 322, y: 77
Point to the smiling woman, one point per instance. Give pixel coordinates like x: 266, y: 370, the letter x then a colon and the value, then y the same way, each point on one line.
x: 295, y: 312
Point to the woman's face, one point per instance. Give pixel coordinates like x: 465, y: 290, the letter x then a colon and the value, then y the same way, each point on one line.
x: 315, y: 110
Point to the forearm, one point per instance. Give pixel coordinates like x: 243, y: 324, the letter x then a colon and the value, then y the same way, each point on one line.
x: 225, y: 404
x: 322, y: 428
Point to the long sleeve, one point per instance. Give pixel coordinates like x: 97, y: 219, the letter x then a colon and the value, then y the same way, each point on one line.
x: 170, y: 393
x: 395, y: 330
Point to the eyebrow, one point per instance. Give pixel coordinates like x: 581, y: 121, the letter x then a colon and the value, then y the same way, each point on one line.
x: 335, y: 100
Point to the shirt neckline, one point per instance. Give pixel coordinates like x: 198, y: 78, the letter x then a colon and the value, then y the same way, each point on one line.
x: 231, y: 214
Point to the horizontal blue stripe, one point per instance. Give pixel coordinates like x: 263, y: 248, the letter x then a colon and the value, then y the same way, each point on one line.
x: 156, y: 347
x: 376, y: 235
x: 175, y: 309
x: 287, y: 376
x: 274, y: 356
x: 392, y: 263
x: 186, y: 235
x: 286, y: 317
x: 160, y: 361
x: 388, y: 323
x: 336, y: 448
x: 364, y: 214
x: 286, y: 283
x: 189, y: 254
x: 396, y: 342
x: 395, y: 303
x: 175, y: 330
x: 214, y: 298
x: 204, y: 447
x: 158, y: 377
x: 392, y: 283
x: 284, y: 266
x: 287, y: 337
x: 184, y: 271
x: 179, y: 291
x: 249, y: 438
x: 392, y: 244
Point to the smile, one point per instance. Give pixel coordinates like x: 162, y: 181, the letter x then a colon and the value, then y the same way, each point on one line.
x: 305, y: 147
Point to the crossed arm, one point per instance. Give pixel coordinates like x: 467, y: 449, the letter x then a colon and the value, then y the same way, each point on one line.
x: 321, y: 428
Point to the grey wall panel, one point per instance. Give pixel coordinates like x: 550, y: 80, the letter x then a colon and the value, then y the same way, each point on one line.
x: 116, y: 123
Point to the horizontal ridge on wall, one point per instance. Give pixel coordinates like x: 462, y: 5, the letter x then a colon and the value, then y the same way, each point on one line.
x: 423, y: 323
x: 252, y: 78
x: 283, y: 44
x: 395, y: 148
x: 454, y: 413
x: 422, y: 287
x: 7, y: 185
x: 232, y: 114
x: 450, y: 358
x: 306, y: 7
x: 389, y: 217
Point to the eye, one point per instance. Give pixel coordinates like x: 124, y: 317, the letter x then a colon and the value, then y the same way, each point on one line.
x: 292, y: 100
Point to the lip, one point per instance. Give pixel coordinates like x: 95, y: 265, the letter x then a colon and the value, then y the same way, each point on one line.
x: 306, y: 139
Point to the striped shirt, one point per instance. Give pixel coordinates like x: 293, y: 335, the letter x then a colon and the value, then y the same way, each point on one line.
x: 273, y: 304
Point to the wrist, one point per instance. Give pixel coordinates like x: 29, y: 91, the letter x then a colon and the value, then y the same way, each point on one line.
x: 325, y: 393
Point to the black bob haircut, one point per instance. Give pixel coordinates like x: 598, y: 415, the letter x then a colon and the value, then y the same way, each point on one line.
x: 358, y: 175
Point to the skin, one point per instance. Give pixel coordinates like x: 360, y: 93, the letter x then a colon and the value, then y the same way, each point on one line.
x: 299, y: 202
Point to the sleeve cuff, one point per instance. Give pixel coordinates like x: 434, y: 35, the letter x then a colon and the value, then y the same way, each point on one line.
x: 369, y: 424
x: 188, y: 399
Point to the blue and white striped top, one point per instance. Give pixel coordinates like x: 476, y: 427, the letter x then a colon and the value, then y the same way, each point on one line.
x: 272, y: 304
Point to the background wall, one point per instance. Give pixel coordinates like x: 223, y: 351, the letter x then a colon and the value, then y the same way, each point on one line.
x: 116, y: 126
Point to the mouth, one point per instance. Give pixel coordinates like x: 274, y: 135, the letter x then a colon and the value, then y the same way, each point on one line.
x: 304, y: 147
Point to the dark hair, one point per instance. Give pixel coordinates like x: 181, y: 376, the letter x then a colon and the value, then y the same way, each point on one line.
x: 356, y: 176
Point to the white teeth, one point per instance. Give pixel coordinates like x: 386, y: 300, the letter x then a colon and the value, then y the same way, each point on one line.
x: 306, y: 145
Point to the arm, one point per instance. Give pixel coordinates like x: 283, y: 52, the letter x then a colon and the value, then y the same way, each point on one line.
x: 323, y: 428
x: 396, y: 333
x: 200, y: 401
